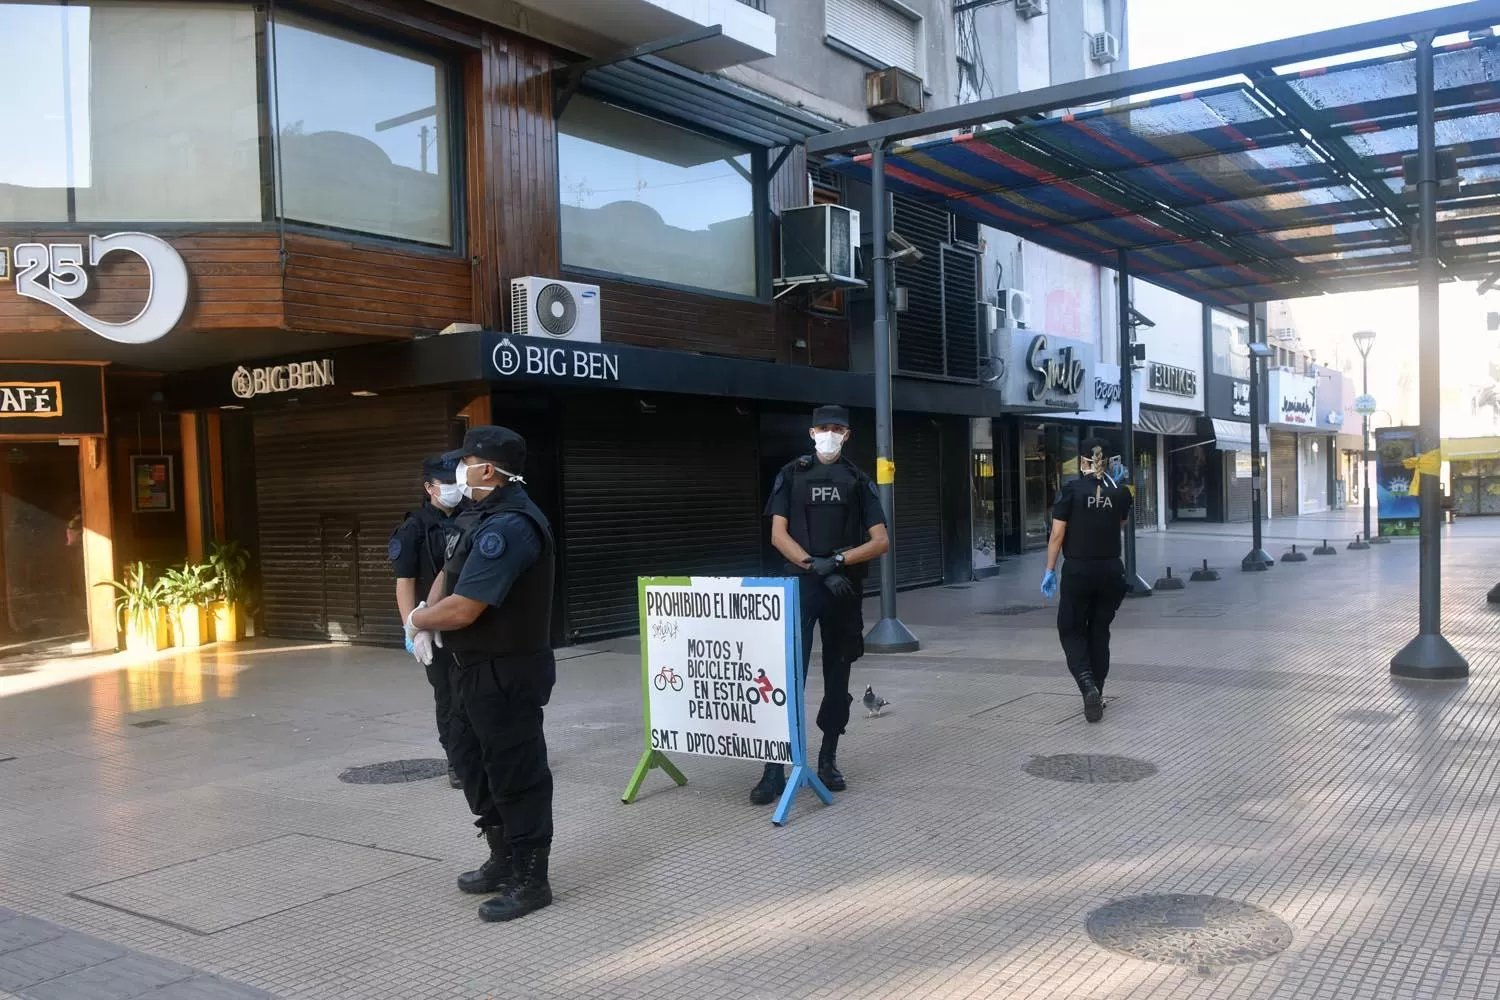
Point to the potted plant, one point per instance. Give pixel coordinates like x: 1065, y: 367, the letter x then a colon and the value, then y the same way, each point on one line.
x: 187, y: 592
x: 228, y: 562
x: 141, y: 606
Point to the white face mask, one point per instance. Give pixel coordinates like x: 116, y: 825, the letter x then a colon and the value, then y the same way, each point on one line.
x: 450, y: 494
x: 828, y: 443
x: 461, y: 479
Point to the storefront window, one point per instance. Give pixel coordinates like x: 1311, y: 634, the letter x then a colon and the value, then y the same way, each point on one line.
x: 650, y: 200
x: 131, y: 112
x: 982, y: 493
x: 42, y: 592
x: 1231, y: 345
x: 1189, y: 483
x: 362, y: 129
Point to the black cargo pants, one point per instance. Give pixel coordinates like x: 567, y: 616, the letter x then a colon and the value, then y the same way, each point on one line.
x: 842, y: 623
x: 499, y: 750
x: 440, y: 676
x: 1091, y: 593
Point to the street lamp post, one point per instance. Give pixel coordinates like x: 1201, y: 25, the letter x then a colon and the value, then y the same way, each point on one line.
x: 1258, y: 561
x: 1363, y: 341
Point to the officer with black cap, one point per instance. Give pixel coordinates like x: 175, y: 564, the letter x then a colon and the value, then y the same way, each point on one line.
x: 826, y: 520
x: 418, y: 548
x: 1087, y: 519
x: 494, y: 616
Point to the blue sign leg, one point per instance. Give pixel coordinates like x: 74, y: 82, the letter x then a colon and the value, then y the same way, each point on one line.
x: 801, y: 775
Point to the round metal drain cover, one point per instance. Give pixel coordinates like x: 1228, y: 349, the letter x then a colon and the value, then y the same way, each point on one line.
x: 1368, y: 717
x: 1089, y: 768
x: 394, y: 772
x: 1202, y: 932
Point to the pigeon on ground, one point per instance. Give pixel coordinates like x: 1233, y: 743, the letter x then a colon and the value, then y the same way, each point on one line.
x: 874, y: 704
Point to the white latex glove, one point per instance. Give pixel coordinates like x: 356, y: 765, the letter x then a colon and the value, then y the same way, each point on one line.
x: 422, y: 647
x: 437, y: 639
x: 411, y: 630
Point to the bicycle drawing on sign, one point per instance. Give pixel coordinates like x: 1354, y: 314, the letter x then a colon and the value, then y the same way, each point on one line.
x: 665, y: 676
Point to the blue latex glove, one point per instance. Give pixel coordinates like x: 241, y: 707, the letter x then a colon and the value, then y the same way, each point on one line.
x: 409, y: 648
x: 1049, y: 584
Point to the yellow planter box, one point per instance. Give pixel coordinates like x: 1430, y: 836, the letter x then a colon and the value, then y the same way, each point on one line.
x: 229, y: 623
x: 150, y: 636
x: 192, y: 626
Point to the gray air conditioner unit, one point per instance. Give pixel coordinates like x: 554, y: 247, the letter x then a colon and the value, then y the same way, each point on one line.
x: 893, y: 92
x: 818, y: 243
x: 1031, y: 8
x: 1104, y: 48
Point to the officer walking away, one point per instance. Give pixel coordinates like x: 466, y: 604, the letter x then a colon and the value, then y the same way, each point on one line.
x: 827, y: 522
x: 494, y: 617
x: 1087, y: 519
x: 418, y: 548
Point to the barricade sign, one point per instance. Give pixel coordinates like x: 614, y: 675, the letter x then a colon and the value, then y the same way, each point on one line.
x: 721, y: 676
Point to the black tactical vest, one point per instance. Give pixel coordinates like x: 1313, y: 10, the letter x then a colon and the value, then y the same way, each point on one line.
x: 438, y: 531
x: 523, y: 624
x: 825, y: 504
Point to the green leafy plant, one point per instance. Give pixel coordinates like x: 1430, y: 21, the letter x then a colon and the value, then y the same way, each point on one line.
x: 228, y: 562
x: 140, y: 598
x: 190, y: 585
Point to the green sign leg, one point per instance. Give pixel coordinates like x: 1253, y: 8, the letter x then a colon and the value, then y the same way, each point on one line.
x: 650, y: 759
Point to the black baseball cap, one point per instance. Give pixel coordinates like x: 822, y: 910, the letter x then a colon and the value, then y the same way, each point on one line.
x: 499, y: 445
x: 438, y: 468
x: 831, y: 415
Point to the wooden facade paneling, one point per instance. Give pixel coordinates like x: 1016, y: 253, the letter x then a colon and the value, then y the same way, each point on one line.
x: 648, y: 316
x: 339, y: 286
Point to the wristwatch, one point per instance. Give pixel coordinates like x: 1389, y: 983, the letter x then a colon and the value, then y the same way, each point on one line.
x: 838, y: 557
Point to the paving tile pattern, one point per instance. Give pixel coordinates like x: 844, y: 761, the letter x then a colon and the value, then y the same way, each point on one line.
x: 1293, y: 775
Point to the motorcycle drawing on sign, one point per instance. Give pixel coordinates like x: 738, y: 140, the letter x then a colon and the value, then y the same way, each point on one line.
x: 765, y: 690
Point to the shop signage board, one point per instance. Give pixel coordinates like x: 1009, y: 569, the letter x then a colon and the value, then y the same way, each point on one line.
x: 721, y: 677
x: 1241, y: 399
x: 1172, y: 380
x: 57, y: 274
x: 1041, y: 372
x: 1294, y: 400
x: 536, y: 359
x: 247, y: 383
x: 54, y: 400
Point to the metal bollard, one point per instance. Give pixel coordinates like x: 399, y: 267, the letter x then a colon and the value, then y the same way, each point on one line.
x: 1359, y: 544
x: 1294, y: 556
x: 1170, y: 582
x: 1325, y: 549
x: 1204, y: 575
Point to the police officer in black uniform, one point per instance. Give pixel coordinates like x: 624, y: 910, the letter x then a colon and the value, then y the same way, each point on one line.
x: 495, y: 620
x: 418, y: 548
x: 826, y: 520
x: 1086, y: 522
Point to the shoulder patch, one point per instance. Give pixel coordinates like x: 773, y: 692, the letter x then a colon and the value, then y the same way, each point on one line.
x: 453, y: 537
x: 393, y: 550
x: 491, y: 544
x: 780, y: 482
x: 805, y: 462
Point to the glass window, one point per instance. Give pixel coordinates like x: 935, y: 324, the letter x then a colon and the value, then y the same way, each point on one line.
x: 140, y: 112
x: 363, y: 134
x: 1231, y: 343
x: 651, y: 200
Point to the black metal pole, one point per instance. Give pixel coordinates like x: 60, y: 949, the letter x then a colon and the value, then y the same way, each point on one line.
x: 1364, y: 453
x: 1258, y: 561
x: 889, y: 635
x: 1137, y: 586
x: 1429, y: 656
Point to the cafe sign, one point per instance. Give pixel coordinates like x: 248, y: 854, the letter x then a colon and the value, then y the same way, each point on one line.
x: 59, y: 274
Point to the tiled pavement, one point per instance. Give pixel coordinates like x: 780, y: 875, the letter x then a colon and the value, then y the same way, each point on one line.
x: 1291, y: 773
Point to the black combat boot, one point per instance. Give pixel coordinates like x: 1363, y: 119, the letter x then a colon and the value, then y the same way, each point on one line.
x: 529, y: 891
x: 1093, y: 701
x: 454, y: 781
x: 495, y: 874
x: 772, y: 783
x: 828, y: 766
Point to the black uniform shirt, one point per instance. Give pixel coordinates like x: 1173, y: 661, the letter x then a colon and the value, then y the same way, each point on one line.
x: 419, y: 545
x: 504, y: 547
x: 1094, y: 511
x: 831, y: 489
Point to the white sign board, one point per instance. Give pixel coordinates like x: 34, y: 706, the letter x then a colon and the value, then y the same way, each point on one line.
x: 718, y: 664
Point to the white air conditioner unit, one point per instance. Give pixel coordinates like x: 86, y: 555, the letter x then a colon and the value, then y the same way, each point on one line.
x: 819, y: 243
x: 1104, y: 48
x: 1015, y: 309
x: 1031, y: 8
x: 558, y: 310
x: 991, y: 317
x: 893, y: 92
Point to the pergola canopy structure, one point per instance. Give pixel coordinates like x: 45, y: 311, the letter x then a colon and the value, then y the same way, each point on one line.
x: 1280, y: 185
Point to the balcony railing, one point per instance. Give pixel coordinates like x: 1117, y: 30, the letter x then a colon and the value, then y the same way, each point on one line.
x: 757, y: 4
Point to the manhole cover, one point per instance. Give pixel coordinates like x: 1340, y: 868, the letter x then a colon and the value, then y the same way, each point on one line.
x: 1368, y: 717
x: 1016, y: 609
x: 149, y: 723
x: 394, y: 772
x: 1197, y: 611
x: 1089, y: 768
x: 1202, y: 932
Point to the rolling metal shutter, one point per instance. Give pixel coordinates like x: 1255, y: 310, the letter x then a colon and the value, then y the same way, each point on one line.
x: 1240, y: 492
x: 919, y: 502
x: 1283, y: 478
x: 876, y: 29
x: 674, y: 492
x: 332, y: 483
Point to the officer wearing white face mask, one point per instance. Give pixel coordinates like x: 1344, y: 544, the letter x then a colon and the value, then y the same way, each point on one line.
x: 826, y: 520
x: 418, y: 548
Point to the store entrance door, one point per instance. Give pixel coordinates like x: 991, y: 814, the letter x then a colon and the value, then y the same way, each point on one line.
x: 42, y: 593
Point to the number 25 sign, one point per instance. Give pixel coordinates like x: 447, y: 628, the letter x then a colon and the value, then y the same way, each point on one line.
x: 55, y: 273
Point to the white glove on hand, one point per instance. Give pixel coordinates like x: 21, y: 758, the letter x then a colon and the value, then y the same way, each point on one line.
x: 411, y: 630
x: 422, y: 647
x: 437, y: 639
